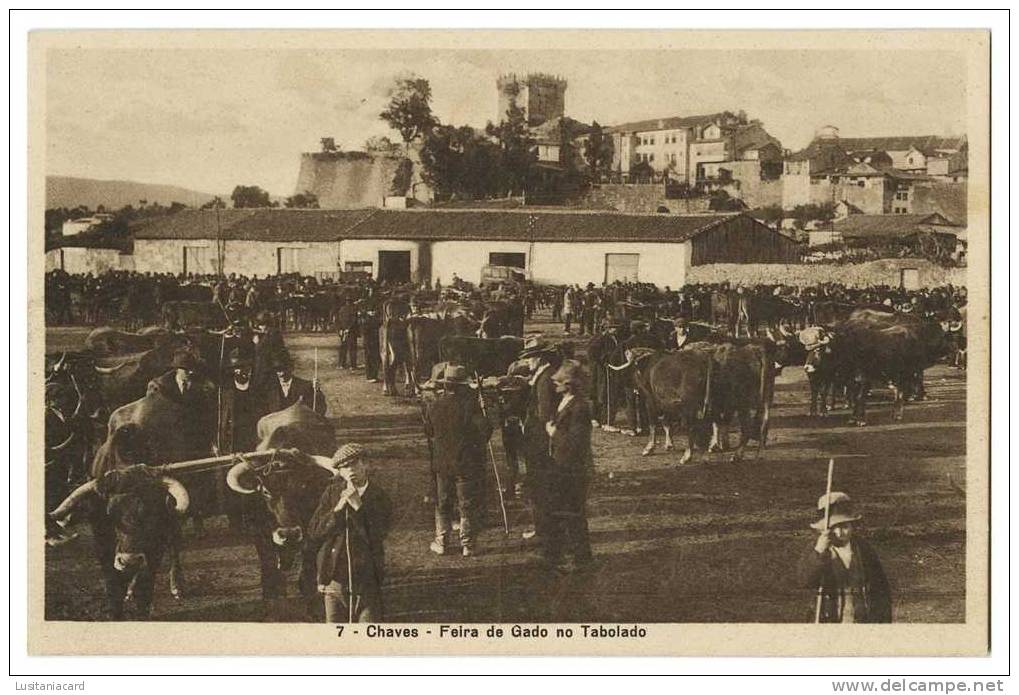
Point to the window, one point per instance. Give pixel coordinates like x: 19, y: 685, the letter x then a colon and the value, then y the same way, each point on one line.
x: 902, y: 195
x: 621, y: 266
x: 286, y: 260
x: 652, y: 140
x: 861, y: 183
x: 651, y: 157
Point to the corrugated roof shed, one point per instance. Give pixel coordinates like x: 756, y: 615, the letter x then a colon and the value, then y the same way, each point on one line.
x: 274, y: 224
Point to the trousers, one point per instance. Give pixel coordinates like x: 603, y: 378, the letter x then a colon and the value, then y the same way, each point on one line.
x: 367, y: 604
x: 451, y: 490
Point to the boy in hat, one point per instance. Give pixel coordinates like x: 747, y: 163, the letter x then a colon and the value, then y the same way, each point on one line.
x: 572, y: 465
x: 285, y: 388
x: 349, y: 527
x: 459, y: 431
x: 844, y: 568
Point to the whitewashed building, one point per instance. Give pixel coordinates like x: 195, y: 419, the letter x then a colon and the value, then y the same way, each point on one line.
x: 555, y: 247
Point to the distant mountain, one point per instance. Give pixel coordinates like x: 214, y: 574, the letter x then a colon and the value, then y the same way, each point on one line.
x: 70, y: 191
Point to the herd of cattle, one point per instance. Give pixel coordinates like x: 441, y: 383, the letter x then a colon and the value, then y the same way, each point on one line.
x: 695, y: 361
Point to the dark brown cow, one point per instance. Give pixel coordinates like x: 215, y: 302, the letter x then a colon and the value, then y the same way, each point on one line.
x: 181, y: 315
x: 481, y: 356
x: 675, y: 387
x: 134, y: 516
x: 290, y: 486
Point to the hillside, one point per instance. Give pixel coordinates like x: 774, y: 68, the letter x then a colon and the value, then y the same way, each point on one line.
x: 70, y: 191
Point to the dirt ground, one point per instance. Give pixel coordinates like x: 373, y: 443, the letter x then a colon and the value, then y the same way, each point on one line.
x: 709, y: 541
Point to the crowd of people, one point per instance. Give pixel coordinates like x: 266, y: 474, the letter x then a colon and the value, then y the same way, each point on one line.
x: 548, y: 442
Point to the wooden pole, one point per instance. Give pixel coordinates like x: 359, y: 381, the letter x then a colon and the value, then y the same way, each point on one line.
x: 212, y: 462
x: 491, y: 455
x: 350, y: 564
x: 314, y: 385
x: 827, y: 511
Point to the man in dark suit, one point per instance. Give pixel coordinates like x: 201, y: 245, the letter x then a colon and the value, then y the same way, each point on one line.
x: 459, y: 430
x: 572, y: 465
x: 240, y: 407
x: 285, y: 389
x: 370, y: 326
x: 348, y: 328
x: 349, y: 527
x: 541, y: 405
x: 266, y: 344
x: 183, y: 386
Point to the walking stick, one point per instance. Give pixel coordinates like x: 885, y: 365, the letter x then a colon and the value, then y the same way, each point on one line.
x: 314, y: 390
x: 219, y: 395
x: 491, y: 455
x: 827, y: 509
x: 608, y: 398
x: 350, y: 565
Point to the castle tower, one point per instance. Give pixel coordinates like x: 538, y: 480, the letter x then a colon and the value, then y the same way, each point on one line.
x: 541, y: 96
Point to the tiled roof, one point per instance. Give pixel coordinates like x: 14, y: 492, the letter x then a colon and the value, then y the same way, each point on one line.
x: 923, y: 143
x: 274, y: 224
x: 859, y: 226
x: 259, y: 224
x: 673, y: 123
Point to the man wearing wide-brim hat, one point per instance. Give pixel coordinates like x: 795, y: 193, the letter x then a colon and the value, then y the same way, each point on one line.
x: 541, y: 407
x: 459, y: 431
x: 844, y: 568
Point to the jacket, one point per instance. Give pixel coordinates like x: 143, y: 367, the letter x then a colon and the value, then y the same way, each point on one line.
x: 571, y: 438
x: 459, y: 431
x: 300, y: 390
x: 238, y: 419
x: 541, y: 408
x: 874, y: 601
x: 198, y: 410
x: 369, y: 526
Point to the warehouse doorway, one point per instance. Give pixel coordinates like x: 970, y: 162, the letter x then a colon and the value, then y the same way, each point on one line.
x: 394, y: 266
x: 512, y: 260
x: 621, y: 267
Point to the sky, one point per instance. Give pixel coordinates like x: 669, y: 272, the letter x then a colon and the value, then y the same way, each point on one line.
x: 212, y: 119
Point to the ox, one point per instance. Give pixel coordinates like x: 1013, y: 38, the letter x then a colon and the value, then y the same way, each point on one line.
x: 290, y: 486
x: 181, y: 315
x: 743, y: 379
x: 110, y: 341
x: 675, y: 387
x: 481, y: 356
x: 134, y: 516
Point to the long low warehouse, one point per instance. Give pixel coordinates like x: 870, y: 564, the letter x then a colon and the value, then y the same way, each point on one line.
x: 555, y: 247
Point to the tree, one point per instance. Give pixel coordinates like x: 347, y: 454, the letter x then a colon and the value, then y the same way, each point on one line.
x: 516, y: 148
x: 598, y: 151
x: 771, y: 215
x: 380, y: 144
x: 302, y: 200
x: 215, y: 203
x: 409, y: 111
x: 802, y: 214
x: 250, y: 197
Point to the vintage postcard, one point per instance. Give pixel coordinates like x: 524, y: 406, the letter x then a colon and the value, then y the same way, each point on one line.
x: 531, y: 342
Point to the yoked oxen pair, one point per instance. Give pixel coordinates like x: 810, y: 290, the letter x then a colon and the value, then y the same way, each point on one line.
x: 877, y: 348
x: 289, y: 487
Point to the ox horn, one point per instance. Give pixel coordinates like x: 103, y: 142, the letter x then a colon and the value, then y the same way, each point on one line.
x: 234, y: 475
x: 79, y: 494
x: 177, y: 491
x: 325, y: 462
x: 108, y: 370
x: 60, y: 363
